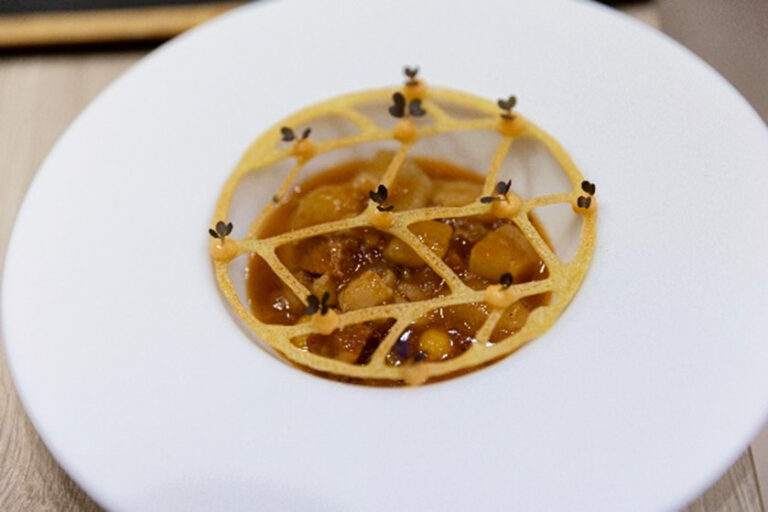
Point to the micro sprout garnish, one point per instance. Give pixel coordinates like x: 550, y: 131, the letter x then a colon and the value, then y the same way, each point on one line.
x: 584, y: 202
x: 411, y: 73
x: 507, y: 106
x: 289, y: 135
x: 397, y: 109
x: 379, y: 196
x: 222, y: 230
x: 502, y: 189
x: 314, y: 304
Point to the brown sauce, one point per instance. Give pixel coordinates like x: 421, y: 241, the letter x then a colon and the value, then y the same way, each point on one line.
x: 365, y: 267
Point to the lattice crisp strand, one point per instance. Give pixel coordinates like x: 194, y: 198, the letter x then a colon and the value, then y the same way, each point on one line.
x: 564, y: 278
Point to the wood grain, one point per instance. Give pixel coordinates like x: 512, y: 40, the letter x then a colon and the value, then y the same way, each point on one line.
x: 154, y: 23
x: 39, y: 97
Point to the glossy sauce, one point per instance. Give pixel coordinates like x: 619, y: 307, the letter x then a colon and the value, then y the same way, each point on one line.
x: 365, y: 267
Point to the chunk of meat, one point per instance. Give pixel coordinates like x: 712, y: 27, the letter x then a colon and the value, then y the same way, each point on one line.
x: 504, y: 250
x: 435, y: 235
x: 345, y: 345
x: 353, y: 344
x: 455, y: 192
x: 366, y: 290
x: 335, y: 254
x: 327, y: 203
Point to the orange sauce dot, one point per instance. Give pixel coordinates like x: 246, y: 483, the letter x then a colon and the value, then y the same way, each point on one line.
x: 223, y: 251
x: 510, y: 127
x: 497, y: 297
x: 415, y: 91
x: 404, y: 131
x: 415, y: 374
x: 304, y: 149
x: 508, y: 207
x: 580, y: 209
x: 325, y: 324
x: 381, y: 220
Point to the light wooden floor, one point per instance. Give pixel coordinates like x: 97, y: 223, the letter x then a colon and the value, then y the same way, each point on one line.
x: 39, y: 97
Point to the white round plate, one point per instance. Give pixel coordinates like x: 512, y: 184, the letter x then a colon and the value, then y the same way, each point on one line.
x: 152, y: 398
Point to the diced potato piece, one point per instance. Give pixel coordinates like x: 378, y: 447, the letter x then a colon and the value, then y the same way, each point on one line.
x: 490, y: 257
x: 435, y: 235
x: 325, y: 283
x: 455, y: 192
x: 410, y: 291
x: 513, y: 320
x: 471, y: 316
x: 470, y: 228
x: 399, y: 253
x: 411, y: 188
x: 387, y: 276
x: 366, y: 290
x: 504, y: 250
x: 526, y: 263
x: 436, y: 343
x: 327, y: 203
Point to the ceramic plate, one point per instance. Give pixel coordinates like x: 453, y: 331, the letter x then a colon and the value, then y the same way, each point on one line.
x: 649, y: 385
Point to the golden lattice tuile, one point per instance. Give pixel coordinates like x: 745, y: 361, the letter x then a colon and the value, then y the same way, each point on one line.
x: 563, y: 280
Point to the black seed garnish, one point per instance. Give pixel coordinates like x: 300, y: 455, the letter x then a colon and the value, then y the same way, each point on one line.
x: 275, y: 199
x: 588, y: 187
x: 385, y: 208
x: 288, y: 134
x: 222, y: 230
x: 502, y: 187
x: 306, y: 133
x: 415, y: 108
x: 488, y: 199
x: 584, y: 202
x: 398, y: 107
x: 313, y: 304
x: 420, y: 356
x: 506, y: 280
x: 324, y: 303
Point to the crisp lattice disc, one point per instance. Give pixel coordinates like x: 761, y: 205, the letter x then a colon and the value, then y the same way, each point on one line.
x: 446, y: 111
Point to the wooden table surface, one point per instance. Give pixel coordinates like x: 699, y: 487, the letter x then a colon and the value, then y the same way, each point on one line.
x: 39, y: 97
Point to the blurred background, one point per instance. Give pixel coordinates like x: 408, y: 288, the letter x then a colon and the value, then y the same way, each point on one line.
x: 731, y: 35
x: 57, y: 55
